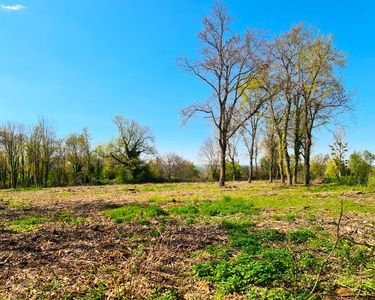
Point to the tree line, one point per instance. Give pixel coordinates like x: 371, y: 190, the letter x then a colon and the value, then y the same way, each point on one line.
x: 36, y: 157
x: 286, y: 87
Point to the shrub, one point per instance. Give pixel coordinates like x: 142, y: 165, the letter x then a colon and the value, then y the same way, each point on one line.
x: 359, y: 168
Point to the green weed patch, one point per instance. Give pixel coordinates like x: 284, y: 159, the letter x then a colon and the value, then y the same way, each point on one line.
x: 135, y: 212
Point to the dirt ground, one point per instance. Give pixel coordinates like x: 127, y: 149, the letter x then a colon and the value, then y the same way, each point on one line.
x: 69, y: 260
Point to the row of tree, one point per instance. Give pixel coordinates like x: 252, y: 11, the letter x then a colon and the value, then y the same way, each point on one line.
x: 38, y: 158
x: 285, y: 88
x: 335, y: 167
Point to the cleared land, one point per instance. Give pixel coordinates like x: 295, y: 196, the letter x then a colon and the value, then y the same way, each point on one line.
x: 186, y: 241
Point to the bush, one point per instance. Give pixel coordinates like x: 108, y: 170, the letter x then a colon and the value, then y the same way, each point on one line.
x: 359, y: 168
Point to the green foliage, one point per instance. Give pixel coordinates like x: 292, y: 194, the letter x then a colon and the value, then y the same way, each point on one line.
x: 235, y: 275
x: 135, y: 212
x: 301, y: 236
x: 359, y: 168
x: 96, y: 293
x: 229, y: 171
x: 332, y: 169
x: 318, y: 166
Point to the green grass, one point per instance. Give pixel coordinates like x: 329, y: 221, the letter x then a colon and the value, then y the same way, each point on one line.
x: 33, y: 222
x: 135, y: 212
x: 27, y: 223
x: 67, y: 217
x: 223, y: 207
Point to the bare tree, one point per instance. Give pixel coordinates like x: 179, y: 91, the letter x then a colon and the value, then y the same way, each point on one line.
x: 233, y: 154
x: 176, y: 168
x: 229, y: 63
x: 209, y: 154
x: 249, y: 132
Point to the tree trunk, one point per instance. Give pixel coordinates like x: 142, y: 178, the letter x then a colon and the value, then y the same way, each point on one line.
x: 234, y: 170
x: 281, y: 162
x: 295, y: 170
x: 249, y: 179
x: 222, y: 168
x: 270, y: 173
x: 223, y: 150
x: 307, y: 153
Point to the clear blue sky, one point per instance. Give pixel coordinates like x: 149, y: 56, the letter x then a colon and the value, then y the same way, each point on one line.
x: 82, y: 62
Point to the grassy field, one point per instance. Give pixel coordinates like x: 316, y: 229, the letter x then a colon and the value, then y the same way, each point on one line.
x: 187, y: 241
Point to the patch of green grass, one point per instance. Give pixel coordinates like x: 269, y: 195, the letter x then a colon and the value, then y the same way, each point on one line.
x: 51, y: 286
x: 96, y: 293
x: 287, y: 217
x: 67, y: 217
x: 219, y: 250
x: 183, y: 210
x: 226, y: 206
x: 135, y: 212
x: 301, y: 236
x: 19, y: 204
x: 27, y: 223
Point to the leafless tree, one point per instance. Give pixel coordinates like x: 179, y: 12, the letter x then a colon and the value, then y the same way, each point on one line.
x: 229, y: 64
x: 209, y: 154
x: 249, y: 133
x: 176, y: 168
x: 233, y: 154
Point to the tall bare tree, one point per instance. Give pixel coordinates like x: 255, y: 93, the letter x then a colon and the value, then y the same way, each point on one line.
x: 228, y: 64
x: 249, y: 133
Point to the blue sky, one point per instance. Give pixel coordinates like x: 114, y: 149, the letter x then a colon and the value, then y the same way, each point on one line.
x: 81, y: 62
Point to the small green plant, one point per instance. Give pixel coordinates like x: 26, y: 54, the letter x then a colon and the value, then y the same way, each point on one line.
x: 301, y: 236
x: 96, y: 293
